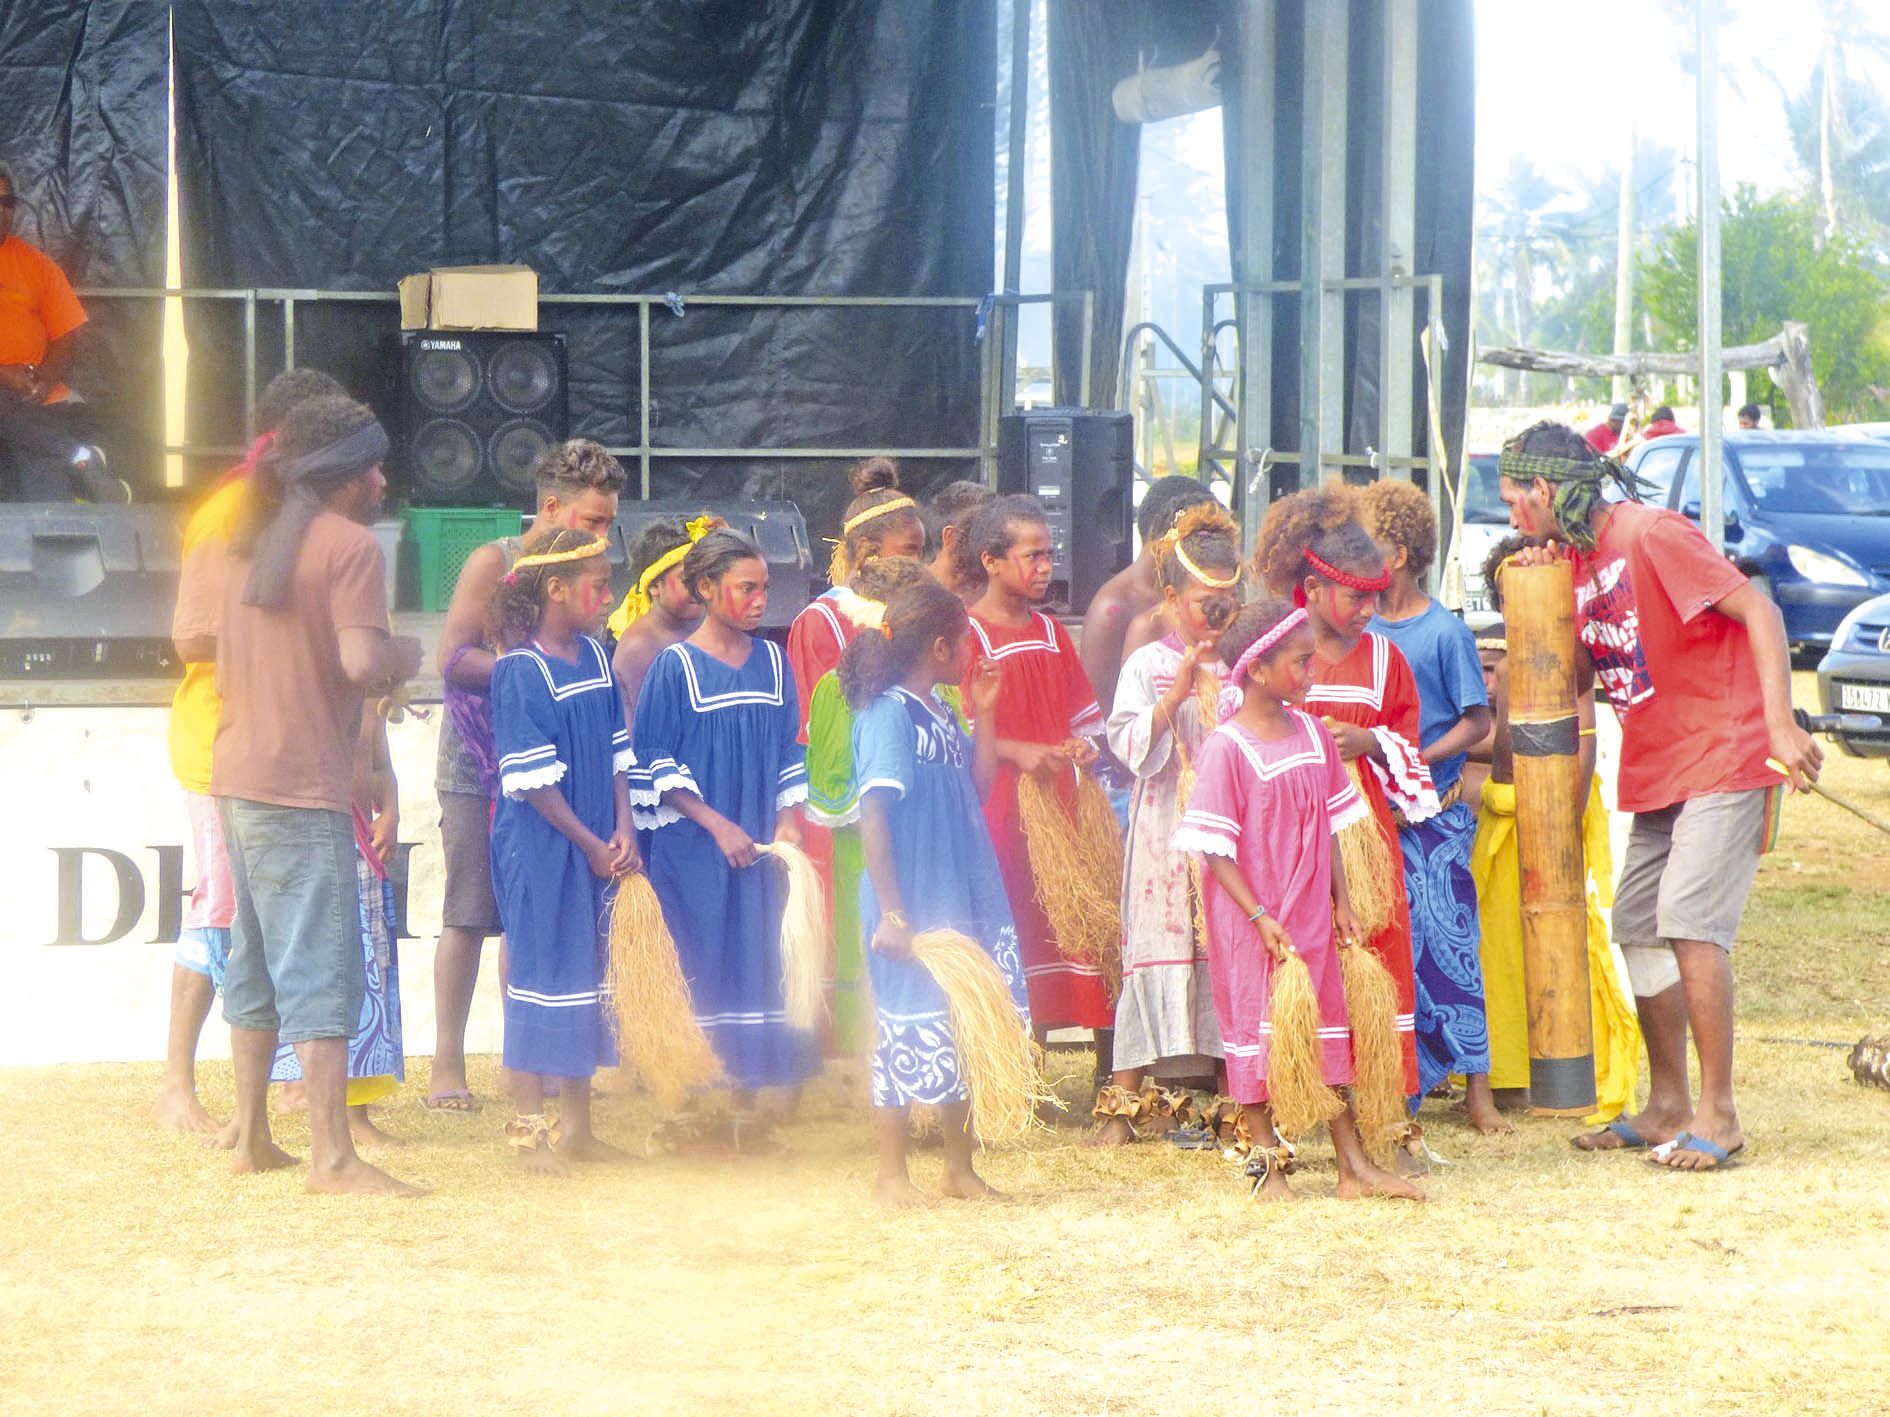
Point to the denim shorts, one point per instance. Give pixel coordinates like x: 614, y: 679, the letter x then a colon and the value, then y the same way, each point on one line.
x: 295, y: 965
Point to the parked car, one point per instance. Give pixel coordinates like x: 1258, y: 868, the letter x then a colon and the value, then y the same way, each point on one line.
x: 1485, y: 522
x: 1807, y: 516
x: 1855, y: 676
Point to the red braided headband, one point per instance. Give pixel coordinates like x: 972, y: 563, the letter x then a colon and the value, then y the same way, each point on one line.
x: 1381, y: 581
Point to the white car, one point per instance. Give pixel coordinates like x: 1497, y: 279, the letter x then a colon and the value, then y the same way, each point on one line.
x: 1485, y: 522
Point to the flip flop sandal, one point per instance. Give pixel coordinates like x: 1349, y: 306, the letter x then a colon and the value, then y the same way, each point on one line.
x: 460, y: 1101
x: 1686, y: 1141
x: 1630, y: 1139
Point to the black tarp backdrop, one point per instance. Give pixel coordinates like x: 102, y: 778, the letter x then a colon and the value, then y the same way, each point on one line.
x: 1445, y: 195
x: 82, y: 125
x: 1094, y: 158
x: 797, y: 147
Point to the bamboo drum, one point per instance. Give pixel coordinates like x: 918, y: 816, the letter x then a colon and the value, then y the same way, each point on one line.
x: 1539, y: 608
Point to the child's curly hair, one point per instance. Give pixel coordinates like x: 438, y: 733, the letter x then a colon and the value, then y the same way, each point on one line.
x: 1209, y: 537
x: 1493, y: 565
x: 1399, y: 513
x: 519, y: 599
x: 1323, y: 520
x: 1254, y: 620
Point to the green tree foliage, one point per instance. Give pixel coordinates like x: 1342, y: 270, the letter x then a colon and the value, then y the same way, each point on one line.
x: 1773, y: 269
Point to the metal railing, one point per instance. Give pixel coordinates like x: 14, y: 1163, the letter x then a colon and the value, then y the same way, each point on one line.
x: 997, y: 388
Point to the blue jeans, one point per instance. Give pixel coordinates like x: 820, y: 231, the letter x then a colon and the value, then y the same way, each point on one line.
x: 295, y: 966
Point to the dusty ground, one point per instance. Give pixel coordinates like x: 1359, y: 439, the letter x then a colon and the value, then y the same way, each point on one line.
x: 136, y: 1275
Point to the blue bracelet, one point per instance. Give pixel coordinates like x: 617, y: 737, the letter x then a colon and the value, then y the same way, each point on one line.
x: 1259, y: 911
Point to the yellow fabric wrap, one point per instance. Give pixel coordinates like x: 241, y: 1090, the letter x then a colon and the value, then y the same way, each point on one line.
x: 1496, y: 869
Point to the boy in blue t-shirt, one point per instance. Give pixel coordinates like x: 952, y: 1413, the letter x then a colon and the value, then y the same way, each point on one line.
x: 1453, y: 1033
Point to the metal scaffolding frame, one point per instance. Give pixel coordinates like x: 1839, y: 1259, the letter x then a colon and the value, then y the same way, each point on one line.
x: 997, y: 386
x: 1323, y: 283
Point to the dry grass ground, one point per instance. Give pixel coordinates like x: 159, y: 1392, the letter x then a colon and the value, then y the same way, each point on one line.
x: 136, y: 1275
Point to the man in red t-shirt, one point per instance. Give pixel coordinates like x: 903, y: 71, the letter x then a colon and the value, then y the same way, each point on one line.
x: 1605, y: 436
x: 1662, y: 425
x: 1694, y: 661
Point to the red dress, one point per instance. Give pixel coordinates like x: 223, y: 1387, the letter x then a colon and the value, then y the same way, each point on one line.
x: 1046, y: 698
x: 1372, y: 688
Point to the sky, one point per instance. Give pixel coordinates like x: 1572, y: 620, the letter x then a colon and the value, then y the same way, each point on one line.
x: 1617, y: 65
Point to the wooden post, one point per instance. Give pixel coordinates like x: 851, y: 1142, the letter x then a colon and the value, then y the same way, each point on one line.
x: 1539, y: 612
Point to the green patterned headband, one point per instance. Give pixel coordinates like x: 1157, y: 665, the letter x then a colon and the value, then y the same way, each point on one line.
x: 1578, y: 484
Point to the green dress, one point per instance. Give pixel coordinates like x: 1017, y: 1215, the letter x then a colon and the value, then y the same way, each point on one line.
x: 833, y: 800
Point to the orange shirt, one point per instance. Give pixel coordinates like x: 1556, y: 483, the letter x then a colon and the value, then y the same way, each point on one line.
x: 37, y: 306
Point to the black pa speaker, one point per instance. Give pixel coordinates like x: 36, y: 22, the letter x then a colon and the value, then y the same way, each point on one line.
x: 476, y: 410
x: 1081, y: 465
x: 776, y: 527
x: 87, y: 592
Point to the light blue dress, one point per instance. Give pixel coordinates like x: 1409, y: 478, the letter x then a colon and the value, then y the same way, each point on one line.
x: 913, y: 751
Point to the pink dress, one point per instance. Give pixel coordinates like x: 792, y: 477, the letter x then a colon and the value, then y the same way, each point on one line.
x: 1272, y: 809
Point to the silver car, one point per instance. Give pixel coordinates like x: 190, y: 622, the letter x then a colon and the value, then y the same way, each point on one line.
x: 1855, y: 676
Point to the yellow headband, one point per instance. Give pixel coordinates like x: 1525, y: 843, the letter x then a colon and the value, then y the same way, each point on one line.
x: 636, y: 601
x: 1211, y: 582
x: 860, y: 519
x: 553, y: 558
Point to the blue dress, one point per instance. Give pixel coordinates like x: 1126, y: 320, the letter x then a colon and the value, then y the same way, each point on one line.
x: 914, y: 749
x: 1453, y: 1033
x: 559, y: 725
x: 728, y: 736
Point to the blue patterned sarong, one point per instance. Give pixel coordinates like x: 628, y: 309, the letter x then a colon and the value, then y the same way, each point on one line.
x: 1453, y: 1034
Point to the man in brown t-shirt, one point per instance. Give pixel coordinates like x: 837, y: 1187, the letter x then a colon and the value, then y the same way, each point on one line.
x: 301, y: 637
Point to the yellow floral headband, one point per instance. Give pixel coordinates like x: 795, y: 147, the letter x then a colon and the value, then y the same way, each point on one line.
x: 636, y: 600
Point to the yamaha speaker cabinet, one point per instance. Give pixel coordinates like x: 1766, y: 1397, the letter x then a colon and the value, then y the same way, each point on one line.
x: 1081, y: 465
x: 476, y: 409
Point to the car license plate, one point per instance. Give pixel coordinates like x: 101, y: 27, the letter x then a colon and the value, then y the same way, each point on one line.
x: 1866, y: 698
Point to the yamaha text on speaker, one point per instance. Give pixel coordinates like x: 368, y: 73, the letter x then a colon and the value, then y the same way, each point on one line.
x: 476, y: 411
x: 1081, y: 465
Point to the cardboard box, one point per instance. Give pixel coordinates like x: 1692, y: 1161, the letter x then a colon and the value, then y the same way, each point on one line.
x: 470, y: 298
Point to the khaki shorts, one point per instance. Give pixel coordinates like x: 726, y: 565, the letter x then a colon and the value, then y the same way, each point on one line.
x: 1688, y: 871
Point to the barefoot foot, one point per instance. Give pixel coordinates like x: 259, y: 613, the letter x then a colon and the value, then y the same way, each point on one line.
x: 1371, y: 1181
x: 224, y: 1138
x: 354, y: 1177
x: 362, y: 1130
x: 543, y: 1161
x: 898, y: 1193
x: 1116, y: 1131
x: 1275, y: 1188
x: 968, y: 1185
x: 292, y: 1097
x: 177, y: 1107
x: 1482, y: 1115
x: 589, y: 1148
x: 260, y: 1156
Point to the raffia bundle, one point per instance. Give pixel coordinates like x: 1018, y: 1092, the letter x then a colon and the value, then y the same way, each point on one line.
x: 1076, y: 866
x: 1371, y: 1002
x: 1296, y: 1075
x: 656, y: 1024
x: 1000, y: 1062
x: 1373, y: 874
x: 806, y: 947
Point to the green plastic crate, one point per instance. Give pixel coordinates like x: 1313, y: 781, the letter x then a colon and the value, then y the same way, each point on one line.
x: 442, y: 539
